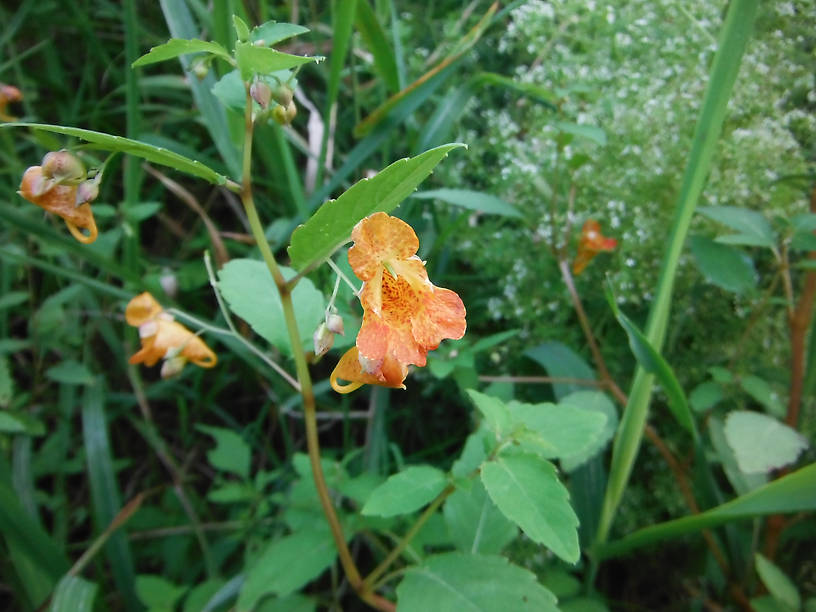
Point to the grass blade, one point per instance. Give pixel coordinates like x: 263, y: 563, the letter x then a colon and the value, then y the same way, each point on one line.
x: 733, y: 38
x: 105, y: 491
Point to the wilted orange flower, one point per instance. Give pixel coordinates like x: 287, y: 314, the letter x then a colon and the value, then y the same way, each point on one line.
x: 405, y: 315
x: 59, y: 187
x: 164, y: 338
x: 8, y: 94
x: 591, y: 243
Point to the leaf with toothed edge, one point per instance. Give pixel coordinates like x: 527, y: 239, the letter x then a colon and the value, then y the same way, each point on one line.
x: 330, y: 227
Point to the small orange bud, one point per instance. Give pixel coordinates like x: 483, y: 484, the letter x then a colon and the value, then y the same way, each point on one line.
x: 323, y: 340
x: 261, y: 93
x: 8, y: 94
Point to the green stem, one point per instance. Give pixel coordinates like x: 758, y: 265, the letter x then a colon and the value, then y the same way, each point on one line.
x: 301, y: 368
x: 406, y: 539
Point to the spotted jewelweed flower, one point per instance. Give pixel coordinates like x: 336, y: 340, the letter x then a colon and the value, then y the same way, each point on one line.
x: 8, y: 94
x: 404, y: 314
x: 591, y: 243
x: 164, y: 338
x: 59, y: 186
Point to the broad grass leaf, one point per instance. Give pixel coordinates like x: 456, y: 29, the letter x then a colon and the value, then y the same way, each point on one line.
x: 526, y: 489
x: 474, y: 522
x: 6, y: 382
x: 752, y: 227
x: 406, y: 491
x: 778, y: 584
x: 795, y: 492
x: 761, y: 443
x: 561, y: 361
x: 724, y: 266
x: 286, y: 565
x: 178, y: 46
x: 459, y: 582
x: 73, y: 594
x: 472, y: 200
x: 251, y: 293
x: 231, y: 453
x: 157, y: 155
x: 596, y: 402
x: 331, y: 225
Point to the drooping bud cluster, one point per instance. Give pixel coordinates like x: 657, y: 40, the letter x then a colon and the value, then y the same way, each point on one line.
x: 62, y: 187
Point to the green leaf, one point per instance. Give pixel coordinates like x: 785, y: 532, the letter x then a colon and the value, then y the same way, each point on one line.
x: 331, y: 225
x: 804, y: 222
x: 778, y: 584
x: 761, y: 443
x: 583, y: 604
x: 241, y: 28
x: 177, y: 46
x: 254, y: 60
x: 73, y: 594
x: 496, y: 414
x: 494, y: 339
x: 474, y: 522
x: 590, y: 132
x: 273, y: 32
x: 157, y: 155
x: 13, y: 298
x: 560, y: 582
x: 459, y: 582
x: 6, y: 383
x: 230, y: 493
x: 723, y: 265
x: 593, y: 402
x: 385, y: 63
x: 562, y: 429
x: 789, y: 494
x: 706, y: 395
x: 561, y: 361
x: 402, y: 493
x: 752, y: 226
x: 291, y: 603
x: 474, y: 453
x: 200, y: 595
x: 743, y: 483
x: 761, y: 391
x: 803, y: 241
x: 286, y: 565
x: 251, y: 293
x: 652, y: 361
x: 70, y: 372
x: 231, y: 453
x: 157, y: 593
x: 473, y: 200
x: 526, y: 489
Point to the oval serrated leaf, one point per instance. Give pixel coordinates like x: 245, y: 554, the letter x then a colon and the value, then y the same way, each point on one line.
x: 753, y: 227
x: 590, y: 401
x: 251, y: 293
x: 263, y: 60
x: 458, y: 582
x: 157, y: 155
x: 179, y: 46
x: 761, y: 443
x: 331, y: 225
x: 474, y: 522
x: 406, y: 491
x: 722, y: 265
x: 231, y: 453
x: 526, y: 489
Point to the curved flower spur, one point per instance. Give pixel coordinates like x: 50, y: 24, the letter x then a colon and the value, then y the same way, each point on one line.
x: 404, y: 314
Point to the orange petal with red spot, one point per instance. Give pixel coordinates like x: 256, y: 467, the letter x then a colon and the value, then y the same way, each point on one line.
x: 377, y: 238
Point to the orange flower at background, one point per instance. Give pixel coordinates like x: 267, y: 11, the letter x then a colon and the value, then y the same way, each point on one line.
x: 404, y: 314
x: 59, y: 186
x: 591, y: 243
x: 164, y: 338
x: 8, y: 94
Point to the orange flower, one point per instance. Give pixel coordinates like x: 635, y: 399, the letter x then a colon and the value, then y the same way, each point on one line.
x: 592, y: 242
x: 405, y: 315
x: 59, y: 187
x: 164, y: 338
x: 8, y: 94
